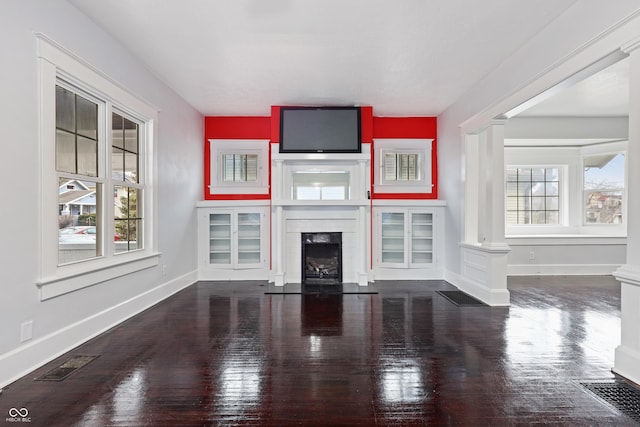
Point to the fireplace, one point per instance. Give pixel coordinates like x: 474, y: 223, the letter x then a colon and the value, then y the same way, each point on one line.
x: 321, y: 258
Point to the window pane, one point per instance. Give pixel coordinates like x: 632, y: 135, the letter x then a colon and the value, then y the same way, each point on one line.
x: 538, y: 189
x: 538, y: 203
x: 117, y: 133
x: 65, y: 152
x: 390, y: 167
x: 512, y: 189
x: 87, y: 157
x: 130, y: 167
x: 117, y: 164
x: 127, y: 221
x: 130, y: 136
x: 252, y: 167
x: 604, y: 184
x: 524, y: 174
x: 87, y: 118
x: 603, y: 207
x: 238, y: 167
x: 227, y: 165
x: 538, y: 217
x: 552, y: 188
x: 65, y: 109
x: 524, y: 188
x: 78, y: 220
x: 604, y: 172
x: 553, y: 217
x: 333, y: 193
x: 307, y: 193
x: 512, y: 174
x: 537, y: 174
x: 553, y: 203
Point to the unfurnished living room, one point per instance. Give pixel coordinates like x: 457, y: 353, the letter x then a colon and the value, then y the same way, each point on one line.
x: 320, y: 213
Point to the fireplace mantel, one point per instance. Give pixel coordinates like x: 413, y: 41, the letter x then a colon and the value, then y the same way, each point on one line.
x: 291, y: 217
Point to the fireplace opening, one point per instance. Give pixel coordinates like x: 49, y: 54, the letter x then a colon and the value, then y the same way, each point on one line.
x: 321, y: 258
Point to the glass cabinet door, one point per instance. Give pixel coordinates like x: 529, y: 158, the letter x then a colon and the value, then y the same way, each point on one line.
x: 392, y: 239
x: 248, y: 238
x: 421, y: 238
x: 220, y: 238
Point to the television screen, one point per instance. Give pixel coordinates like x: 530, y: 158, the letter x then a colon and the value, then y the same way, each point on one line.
x: 320, y: 130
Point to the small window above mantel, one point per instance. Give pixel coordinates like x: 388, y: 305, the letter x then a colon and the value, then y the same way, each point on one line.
x: 239, y: 166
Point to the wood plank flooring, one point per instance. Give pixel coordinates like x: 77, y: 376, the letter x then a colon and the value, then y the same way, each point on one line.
x: 226, y: 354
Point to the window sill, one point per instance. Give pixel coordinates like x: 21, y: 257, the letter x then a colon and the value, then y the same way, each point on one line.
x: 59, y: 285
x: 565, y: 239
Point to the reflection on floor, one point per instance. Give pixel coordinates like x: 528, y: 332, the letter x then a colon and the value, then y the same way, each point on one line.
x: 229, y: 354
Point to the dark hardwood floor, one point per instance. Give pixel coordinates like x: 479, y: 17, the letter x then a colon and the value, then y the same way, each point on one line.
x: 227, y: 354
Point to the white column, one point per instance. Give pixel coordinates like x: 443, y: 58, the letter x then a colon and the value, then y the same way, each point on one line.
x: 484, y: 250
x: 493, y: 227
x: 627, y: 354
x: 471, y: 184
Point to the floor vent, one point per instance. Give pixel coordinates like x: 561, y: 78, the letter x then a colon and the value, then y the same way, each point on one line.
x: 461, y: 299
x: 620, y: 395
x: 67, y: 368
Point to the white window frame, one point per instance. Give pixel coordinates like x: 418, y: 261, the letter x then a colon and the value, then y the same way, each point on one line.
x: 58, y: 64
x: 563, y: 197
x: 572, y: 208
x: 422, y: 147
x: 218, y: 148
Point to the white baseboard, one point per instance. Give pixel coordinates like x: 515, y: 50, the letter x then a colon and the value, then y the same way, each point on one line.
x: 627, y: 363
x: 561, y: 269
x: 34, y: 354
x: 492, y: 297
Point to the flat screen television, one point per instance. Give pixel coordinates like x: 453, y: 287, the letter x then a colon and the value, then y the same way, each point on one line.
x: 320, y: 130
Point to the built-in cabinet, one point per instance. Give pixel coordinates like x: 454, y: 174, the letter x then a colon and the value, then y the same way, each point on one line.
x: 406, y: 242
x: 233, y: 243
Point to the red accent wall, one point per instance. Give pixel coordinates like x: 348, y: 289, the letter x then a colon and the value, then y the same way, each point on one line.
x: 233, y: 127
x: 268, y: 127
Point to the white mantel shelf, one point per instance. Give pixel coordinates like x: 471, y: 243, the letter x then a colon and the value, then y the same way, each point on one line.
x: 321, y: 203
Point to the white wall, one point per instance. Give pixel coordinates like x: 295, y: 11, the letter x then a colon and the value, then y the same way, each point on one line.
x: 541, y: 63
x: 62, y: 322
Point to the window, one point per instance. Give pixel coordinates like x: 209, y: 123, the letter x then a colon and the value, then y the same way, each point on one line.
x: 328, y: 185
x: 569, y: 190
x: 127, y: 188
x: 403, y: 166
x: 533, y: 195
x: 238, y: 166
x: 96, y: 175
x: 603, y: 188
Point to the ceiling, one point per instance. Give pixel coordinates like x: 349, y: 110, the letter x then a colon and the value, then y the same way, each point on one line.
x: 404, y: 57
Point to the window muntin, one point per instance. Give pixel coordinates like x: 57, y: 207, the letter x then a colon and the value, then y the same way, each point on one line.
x: 533, y: 195
x: 603, y: 182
